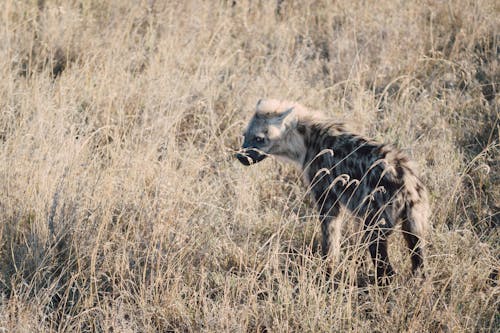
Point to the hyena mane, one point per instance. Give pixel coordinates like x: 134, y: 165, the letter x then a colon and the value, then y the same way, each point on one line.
x: 376, y: 182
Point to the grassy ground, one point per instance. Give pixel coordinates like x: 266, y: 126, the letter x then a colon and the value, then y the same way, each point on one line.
x: 123, y: 210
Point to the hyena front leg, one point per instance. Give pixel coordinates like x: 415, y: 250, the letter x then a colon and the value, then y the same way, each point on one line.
x: 331, y: 230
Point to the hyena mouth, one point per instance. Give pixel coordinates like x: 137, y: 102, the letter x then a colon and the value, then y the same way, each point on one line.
x: 250, y: 156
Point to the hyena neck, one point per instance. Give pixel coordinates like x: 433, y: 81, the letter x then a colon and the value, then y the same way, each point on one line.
x: 293, y: 148
x: 318, y: 138
x: 311, y: 135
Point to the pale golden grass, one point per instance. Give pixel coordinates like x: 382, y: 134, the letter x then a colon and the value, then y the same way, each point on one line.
x: 123, y: 209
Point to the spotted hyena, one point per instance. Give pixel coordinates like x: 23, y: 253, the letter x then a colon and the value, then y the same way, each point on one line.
x: 375, y: 182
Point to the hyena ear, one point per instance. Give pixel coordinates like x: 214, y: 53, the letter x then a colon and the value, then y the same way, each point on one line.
x: 258, y: 104
x: 288, y: 118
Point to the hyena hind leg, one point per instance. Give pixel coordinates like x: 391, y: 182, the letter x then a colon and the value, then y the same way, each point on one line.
x: 415, y: 224
x: 376, y: 238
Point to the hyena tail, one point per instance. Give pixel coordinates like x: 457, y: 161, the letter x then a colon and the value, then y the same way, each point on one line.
x: 415, y: 229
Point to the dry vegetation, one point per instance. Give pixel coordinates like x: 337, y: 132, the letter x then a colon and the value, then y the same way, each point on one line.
x: 123, y: 210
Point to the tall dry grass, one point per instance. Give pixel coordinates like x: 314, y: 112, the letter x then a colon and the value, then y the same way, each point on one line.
x: 123, y: 210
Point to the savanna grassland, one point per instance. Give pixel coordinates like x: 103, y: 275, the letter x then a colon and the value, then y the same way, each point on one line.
x: 122, y: 208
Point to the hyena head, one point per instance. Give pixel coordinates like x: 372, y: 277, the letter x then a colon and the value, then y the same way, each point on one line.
x: 272, y: 131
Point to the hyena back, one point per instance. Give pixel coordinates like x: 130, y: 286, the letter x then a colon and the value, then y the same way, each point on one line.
x: 375, y: 182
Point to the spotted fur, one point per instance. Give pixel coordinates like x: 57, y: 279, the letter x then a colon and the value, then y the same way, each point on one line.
x: 375, y: 182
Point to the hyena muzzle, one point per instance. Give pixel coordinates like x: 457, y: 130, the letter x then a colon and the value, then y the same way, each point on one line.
x: 374, y: 181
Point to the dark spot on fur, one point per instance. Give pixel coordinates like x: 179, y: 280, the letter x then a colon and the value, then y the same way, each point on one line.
x: 301, y: 129
x: 403, y: 159
x: 399, y: 171
x: 419, y: 188
x: 366, y: 149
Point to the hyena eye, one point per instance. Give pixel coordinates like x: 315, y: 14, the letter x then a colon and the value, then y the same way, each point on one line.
x: 259, y: 139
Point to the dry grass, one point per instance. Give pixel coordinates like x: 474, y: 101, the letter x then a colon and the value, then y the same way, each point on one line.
x: 122, y: 209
